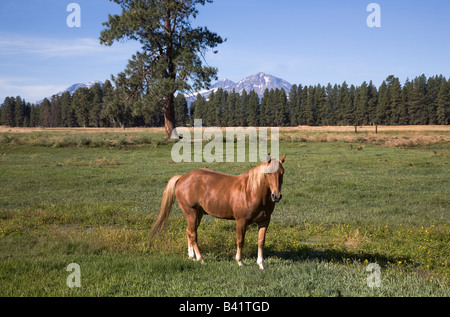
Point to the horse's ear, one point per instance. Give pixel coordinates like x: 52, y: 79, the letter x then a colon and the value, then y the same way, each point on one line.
x: 269, y: 158
x: 283, y: 158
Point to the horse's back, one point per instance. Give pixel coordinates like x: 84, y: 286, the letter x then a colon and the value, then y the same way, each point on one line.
x: 209, y: 189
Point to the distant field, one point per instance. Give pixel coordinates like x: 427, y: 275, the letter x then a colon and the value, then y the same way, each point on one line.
x: 90, y: 196
x: 362, y: 129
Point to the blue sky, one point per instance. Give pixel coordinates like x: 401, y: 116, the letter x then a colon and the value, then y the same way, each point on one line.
x: 304, y: 42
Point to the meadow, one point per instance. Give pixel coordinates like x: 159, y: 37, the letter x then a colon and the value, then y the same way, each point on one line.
x: 91, y: 196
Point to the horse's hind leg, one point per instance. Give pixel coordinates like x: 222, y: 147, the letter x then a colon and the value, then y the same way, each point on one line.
x: 193, y: 217
x: 241, y: 227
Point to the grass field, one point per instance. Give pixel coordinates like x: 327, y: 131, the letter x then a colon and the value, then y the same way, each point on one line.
x: 90, y: 196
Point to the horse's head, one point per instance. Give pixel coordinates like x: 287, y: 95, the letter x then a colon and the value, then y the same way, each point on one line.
x: 273, y: 174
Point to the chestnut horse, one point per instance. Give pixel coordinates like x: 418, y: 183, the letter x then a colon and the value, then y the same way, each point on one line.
x: 248, y: 198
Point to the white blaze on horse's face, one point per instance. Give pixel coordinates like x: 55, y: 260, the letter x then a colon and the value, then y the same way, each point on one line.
x: 274, y: 177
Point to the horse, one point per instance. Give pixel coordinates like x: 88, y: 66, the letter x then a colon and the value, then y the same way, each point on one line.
x: 247, y: 198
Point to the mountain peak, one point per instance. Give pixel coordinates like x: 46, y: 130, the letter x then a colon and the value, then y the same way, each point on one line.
x: 224, y: 84
x: 72, y: 89
x: 258, y: 82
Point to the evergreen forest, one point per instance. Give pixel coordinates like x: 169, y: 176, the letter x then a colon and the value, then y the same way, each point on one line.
x: 421, y: 101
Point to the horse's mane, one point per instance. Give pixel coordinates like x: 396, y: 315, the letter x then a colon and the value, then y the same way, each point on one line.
x: 255, y: 177
x: 256, y: 174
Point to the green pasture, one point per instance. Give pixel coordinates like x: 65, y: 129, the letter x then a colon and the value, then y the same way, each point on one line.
x: 91, y: 198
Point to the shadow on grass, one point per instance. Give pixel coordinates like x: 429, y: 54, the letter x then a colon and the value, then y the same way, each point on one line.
x: 344, y: 256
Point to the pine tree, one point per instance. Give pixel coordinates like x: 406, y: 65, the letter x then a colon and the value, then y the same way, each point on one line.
x: 344, y: 104
x: 433, y: 87
x: 350, y: 106
x: 19, y: 112
x: 67, y: 114
x: 118, y: 109
x: 210, y: 115
x: 218, y: 107
x: 55, y: 111
x: 34, y: 116
x: 230, y: 109
x: 397, y: 105
x: 265, y: 109
x: 271, y: 109
x: 382, y: 111
x: 443, y: 103
x: 199, y: 107
x: 242, y: 111
x: 330, y: 105
x: 108, y: 94
x: 44, y: 113
x: 281, y: 118
x: 372, y: 103
x: 320, y: 100
x: 406, y: 98
x: 418, y: 101
x: 292, y: 106
x: 8, y: 112
x: 302, y: 105
x: 253, y: 109
x: 361, y: 105
x: 81, y: 100
x: 308, y: 111
x: 172, y: 53
x: 297, y: 106
x: 223, y: 100
x: 26, y: 120
x: 181, y: 110
x: 96, y: 105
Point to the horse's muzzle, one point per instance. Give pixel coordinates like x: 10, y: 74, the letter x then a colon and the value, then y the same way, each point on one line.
x: 276, y: 198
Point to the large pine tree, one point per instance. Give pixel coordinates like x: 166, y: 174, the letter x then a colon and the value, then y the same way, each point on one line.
x: 172, y: 53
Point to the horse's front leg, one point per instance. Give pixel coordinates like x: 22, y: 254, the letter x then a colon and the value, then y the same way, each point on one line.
x: 262, y: 228
x: 241, y: 227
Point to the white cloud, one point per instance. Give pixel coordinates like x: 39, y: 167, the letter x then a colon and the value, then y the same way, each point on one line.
x: 28, y: 88
x: 38, y: 67
x: 11, y: 44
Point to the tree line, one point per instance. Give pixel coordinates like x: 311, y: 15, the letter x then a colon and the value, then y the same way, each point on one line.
x: 98, y: 106
x: 420, y: 101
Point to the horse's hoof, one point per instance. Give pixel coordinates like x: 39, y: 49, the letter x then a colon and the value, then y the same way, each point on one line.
x: 240, y: 263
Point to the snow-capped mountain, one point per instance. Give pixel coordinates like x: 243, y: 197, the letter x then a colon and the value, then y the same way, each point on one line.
x: 259, y: 83
x: 75, y: 87
x: 72, y: 89
x: 225, y: 84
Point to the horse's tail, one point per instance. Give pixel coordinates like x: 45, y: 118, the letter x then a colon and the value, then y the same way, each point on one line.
x: 166, y: 204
